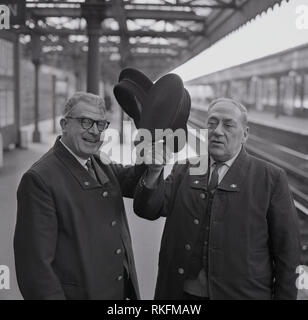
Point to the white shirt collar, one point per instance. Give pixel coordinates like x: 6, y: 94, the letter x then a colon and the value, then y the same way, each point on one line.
x: 80, y: 160
x: 229, y: 162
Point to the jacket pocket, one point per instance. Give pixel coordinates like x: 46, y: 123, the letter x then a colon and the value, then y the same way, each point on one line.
x: 260, y: 263
x: 73, y: 291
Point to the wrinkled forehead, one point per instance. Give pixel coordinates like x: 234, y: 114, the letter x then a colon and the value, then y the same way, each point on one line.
x: 88, y: 110
x: 225, y: 110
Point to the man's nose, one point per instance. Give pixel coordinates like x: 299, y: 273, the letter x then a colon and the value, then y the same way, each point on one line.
x: 94, y: 129
x: 219, y: 129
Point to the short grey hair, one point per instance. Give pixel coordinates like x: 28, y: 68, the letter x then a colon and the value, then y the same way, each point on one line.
x: 237, y: 104
x: 85, y: 97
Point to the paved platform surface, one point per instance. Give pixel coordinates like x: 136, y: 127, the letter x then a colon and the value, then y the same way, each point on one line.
x: 287, y: 123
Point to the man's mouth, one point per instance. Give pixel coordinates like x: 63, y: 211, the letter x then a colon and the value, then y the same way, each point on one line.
x: 217, y: 142
x: 91, y: 140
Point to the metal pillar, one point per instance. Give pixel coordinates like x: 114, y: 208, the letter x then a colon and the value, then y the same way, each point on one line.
x: 93, y: 75
x: 67, y: 80
x: 36, y: 55
x: 54, y: 103
x: 78, y: 83
x: 36, y: 137
x: 302, y: 92
x: 17, y: 88
x: 278, y: 106
x: 123, y: 64
x: 94, y: 18
x: 77, y: 71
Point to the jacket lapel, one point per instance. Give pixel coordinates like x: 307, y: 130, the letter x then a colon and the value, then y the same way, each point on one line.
x: 102, y: 177
x: 76, y: 169
x: 236, y: 173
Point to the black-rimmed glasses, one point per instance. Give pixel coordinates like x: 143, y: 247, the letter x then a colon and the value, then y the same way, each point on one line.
x: 88, y: 123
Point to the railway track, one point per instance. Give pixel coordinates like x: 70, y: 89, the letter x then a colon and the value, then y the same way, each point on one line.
x: 294, y: 165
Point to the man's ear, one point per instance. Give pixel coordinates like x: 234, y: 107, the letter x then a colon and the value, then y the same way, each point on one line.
x: 245, y: 137
x: 63, y: 124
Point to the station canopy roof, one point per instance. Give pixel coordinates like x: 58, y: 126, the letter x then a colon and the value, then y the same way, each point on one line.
x: 155, y: 36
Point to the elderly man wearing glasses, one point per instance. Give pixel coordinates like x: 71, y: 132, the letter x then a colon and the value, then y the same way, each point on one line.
x: 72, y: 239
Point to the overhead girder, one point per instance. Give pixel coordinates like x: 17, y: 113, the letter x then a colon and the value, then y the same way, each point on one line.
x: 121, y: 17
x: 130, y: 13
x: 113, y: 47
x: 180, y: 4
x: 198, y: 24
x: 137, y: 33
x: 184, y: 5
x: 108, y: 47
x: 152, y: 55
x: 108, y: 11
x: 46, y: 40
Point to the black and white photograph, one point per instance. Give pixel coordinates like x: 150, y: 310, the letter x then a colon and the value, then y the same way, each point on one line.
x: 154, y: 150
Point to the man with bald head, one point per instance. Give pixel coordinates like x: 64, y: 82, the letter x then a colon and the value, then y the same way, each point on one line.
x: 72, y: 239
x: 230, y: 233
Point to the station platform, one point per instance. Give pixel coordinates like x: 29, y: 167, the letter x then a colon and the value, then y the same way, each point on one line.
x: 16, y: 162
x: 286, y: 123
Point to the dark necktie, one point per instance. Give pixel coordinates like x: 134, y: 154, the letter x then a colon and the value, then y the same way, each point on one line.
x: 212, y: 186
x: 90, y: 169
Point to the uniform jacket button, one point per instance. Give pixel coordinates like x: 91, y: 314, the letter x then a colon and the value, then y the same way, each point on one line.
x: 105, y: 194
x: 118, y: 251
x: 202, y: 195
x: 119, y: 278
x: 187, y: 247
x: 181, y: 271
x: 113, y: 223
x: 196, y: 221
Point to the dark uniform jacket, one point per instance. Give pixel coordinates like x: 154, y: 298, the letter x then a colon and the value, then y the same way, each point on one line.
x: 253, y: 248
x: 70, y: 229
